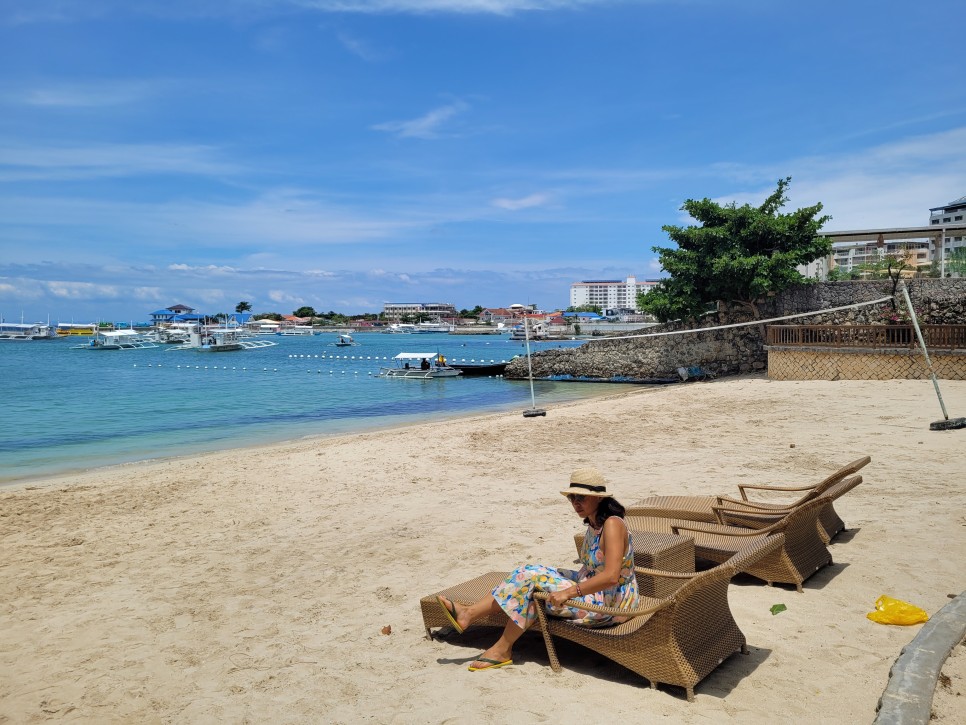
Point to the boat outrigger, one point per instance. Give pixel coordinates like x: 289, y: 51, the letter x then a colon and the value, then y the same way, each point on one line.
x: 419, y: 366
x: 116, y: 340
x: 221, y: 339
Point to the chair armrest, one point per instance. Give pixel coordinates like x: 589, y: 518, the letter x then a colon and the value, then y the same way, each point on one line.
x: 763, y: 506
x: 752, y: 487
x: 666, y: 574
x: 613, y: 611
x: 717, y: 529
x: 721, y: 511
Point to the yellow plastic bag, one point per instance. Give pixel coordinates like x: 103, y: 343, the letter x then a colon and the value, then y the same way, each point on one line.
x: 895, y: 611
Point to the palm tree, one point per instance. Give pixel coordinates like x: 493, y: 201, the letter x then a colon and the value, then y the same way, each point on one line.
x: 243, y: 307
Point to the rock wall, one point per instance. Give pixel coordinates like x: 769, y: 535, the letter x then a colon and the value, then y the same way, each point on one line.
x: 742, y: 349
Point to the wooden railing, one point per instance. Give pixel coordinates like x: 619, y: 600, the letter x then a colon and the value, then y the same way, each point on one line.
x: 939, y: 336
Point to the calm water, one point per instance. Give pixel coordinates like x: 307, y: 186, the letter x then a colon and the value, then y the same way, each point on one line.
x: 74, y: 409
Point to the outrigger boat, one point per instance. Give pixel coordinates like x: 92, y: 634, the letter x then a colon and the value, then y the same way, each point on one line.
x: 345, y: 340
x: 221, y: 339
x: 116, y: 340
x: 419, y: 366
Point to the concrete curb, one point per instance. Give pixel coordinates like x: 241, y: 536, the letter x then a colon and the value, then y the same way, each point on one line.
x: 907, y: 699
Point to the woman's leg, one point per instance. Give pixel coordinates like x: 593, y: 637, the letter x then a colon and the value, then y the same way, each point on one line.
x: 502, y: 649
x: 466, y: 615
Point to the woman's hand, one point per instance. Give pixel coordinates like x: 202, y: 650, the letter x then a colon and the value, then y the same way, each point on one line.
x: 561, y: 595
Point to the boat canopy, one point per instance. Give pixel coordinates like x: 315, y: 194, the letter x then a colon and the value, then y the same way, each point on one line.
x: 416, y: 356
x: 119, y: 333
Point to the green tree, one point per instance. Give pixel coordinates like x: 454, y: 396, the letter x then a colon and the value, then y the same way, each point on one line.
x: 737, y: 255
x: 956, y: 262
x: 269, y: 316
x: 243, y: 307
x: 585, y: 308
x: 304, y: 312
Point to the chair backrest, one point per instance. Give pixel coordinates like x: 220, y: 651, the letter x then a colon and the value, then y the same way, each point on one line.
x: 836, y: 490
x: 846, y: 470
x: 826, y: 483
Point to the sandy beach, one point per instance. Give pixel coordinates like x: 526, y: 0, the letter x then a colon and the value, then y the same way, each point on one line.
x: 253, y: 586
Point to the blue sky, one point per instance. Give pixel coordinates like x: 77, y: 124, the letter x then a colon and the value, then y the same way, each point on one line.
x: 343, y: 153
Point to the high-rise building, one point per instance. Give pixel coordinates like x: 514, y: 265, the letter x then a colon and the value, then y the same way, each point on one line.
x: 609, y: 293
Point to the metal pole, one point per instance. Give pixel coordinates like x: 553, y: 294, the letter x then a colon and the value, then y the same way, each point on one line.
x: 922, y: 343
x: 526, y: 333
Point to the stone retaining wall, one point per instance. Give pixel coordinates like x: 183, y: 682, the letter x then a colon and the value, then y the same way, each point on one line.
x: 742, y: 350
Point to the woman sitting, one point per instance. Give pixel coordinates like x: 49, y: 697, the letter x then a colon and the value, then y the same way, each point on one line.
x: 606, y: 577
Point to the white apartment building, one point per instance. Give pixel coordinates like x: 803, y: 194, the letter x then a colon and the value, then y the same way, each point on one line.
x: 608, y: 293
x: 950, y: 214
x: 849, y: 255
x: 395, y: 311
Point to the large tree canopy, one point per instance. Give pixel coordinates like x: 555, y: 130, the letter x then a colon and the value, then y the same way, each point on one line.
x: 737, y: 255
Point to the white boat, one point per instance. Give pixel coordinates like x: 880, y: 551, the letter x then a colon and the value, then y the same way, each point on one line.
x: 538, y: 331
x: 221, y: 339
x: 419, y: 366
x: 425, y: 327
x: 400, y: 328
x: 26, y: 332
x: 296, y: 330
x: 345, y: 340
x: 116, y: 340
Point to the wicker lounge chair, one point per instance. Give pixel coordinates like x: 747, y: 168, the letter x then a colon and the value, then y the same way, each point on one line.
x: 802, y: 554
x: 701, y: 508
x: 674, y: 640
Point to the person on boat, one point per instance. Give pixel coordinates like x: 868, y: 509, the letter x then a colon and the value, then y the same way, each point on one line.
x: 606, y: 576
x: 424, y: 365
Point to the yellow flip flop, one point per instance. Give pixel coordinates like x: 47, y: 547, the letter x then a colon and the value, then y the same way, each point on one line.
x: 450, y: 613
x: 493, y: 664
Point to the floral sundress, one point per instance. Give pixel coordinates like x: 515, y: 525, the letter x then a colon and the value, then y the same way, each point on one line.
x: 515, y: 593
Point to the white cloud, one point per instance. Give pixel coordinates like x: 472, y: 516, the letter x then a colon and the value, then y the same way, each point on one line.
x: 284, y: 297
x: 424, y: 127
x: 84, y: 290
x: 491, y: 7
x: 361, y: 48
x: 68, y: 10
x: 523, y: 203
x: 22, y: 163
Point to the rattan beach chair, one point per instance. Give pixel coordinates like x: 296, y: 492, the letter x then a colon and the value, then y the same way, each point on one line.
x: 675, y: 640
x: 701, y: 508
x: 802, y: 554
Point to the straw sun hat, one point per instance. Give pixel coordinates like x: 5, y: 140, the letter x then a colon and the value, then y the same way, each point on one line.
x: 587, y: 482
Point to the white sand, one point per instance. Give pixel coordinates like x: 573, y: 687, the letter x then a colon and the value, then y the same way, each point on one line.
x: 252, y: 586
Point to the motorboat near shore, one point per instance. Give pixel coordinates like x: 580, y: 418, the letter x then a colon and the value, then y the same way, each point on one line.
x: 480, y: 369
x: 419, y: 366
x: 345, y: 340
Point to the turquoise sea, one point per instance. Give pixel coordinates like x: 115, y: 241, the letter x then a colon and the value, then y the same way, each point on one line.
x: 67, y: 409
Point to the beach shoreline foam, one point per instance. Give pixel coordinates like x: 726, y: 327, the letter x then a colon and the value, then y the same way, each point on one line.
x: 254, y: 584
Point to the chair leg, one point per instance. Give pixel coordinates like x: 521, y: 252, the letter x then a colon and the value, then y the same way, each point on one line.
x: 690, y: 691
x: 429, y: 634
x: 545, y: 630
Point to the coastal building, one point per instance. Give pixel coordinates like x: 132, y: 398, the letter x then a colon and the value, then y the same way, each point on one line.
x: 169, y: 313
x: 395, y: 311
x: 848, y: 256
x: 951, y: 214
x: 605, y: 293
